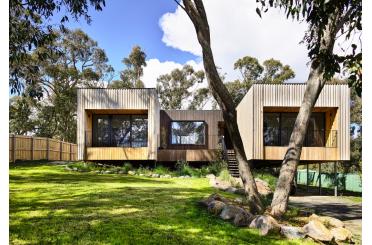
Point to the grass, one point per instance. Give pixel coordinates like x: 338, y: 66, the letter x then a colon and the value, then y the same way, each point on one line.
x: 51, y: 205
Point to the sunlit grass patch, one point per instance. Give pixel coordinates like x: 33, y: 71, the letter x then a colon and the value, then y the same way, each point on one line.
x: 49, y: 205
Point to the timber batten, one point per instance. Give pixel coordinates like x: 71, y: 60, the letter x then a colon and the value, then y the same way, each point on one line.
x: 334, y: 100
x: 333, y: 103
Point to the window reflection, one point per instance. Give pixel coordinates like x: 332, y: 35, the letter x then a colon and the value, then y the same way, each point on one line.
x: 188, y: 133
x: 120, y: 130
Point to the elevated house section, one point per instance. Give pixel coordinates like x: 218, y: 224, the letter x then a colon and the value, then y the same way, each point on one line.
x: 266, y: 117
x: 189, y: 135
x: 117, y: 124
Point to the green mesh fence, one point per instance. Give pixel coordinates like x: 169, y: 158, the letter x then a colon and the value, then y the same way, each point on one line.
x: 348, y: 182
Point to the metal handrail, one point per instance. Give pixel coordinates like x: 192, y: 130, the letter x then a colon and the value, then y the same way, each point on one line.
x: 313, y: 138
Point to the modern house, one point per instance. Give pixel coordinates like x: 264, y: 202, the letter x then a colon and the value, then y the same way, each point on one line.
x: 129, y: 124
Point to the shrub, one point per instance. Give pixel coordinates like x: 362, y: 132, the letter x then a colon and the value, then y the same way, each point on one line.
x: 127, y: 167
x: 144, y: 170
x: 162, y: 170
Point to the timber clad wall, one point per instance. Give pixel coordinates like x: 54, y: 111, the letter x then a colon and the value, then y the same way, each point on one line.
x: 263, y: 96
x: 39, y: 148
x: 205, y: 152
x: 91, y: 100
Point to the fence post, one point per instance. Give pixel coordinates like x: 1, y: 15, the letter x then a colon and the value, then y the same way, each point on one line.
x: 14, y: 148
x: 320, y: 179
x: 70, y: 151
x: 336, y: 182
x: 47, y: 148
x: 60, y: 150
x: 307, y: 177
x: 32, y: 148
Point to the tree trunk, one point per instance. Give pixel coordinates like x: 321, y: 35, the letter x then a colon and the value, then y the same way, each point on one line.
x: 314, y: 86
x: 195, y: 10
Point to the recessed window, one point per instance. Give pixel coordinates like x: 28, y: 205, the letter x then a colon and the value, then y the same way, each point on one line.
x: 277, y: 129
x: 120, y: 130
x: 188, y: 132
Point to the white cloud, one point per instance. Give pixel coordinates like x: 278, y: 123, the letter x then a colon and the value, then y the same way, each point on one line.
x: 155, y: 68
x: 237, y: 31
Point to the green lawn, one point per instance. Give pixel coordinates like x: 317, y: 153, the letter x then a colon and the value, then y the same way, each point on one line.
x: 51, y: 205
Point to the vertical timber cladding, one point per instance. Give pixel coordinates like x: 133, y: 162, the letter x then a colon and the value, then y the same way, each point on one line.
x: 291, y: 95
x: 118, y: 99
x: 169, y: 152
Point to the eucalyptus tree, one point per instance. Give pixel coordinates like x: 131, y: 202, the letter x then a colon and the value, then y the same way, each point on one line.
x: 328, y: 22
x: 177, y: 89
x: 196, y: 12
x: 29, y: 29
x: 271, y: 71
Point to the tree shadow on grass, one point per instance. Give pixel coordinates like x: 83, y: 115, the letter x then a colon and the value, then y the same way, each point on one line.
x: 134, y: 215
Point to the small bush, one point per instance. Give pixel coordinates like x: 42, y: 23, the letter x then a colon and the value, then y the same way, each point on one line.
x: 162, y: 170
x: 126, y: 167
x: 144, y: 170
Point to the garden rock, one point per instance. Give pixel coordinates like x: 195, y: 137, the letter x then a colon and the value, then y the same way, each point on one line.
x: 231, y: 190
x: 155, y: 175
x: 263, y: 187
x: 243, y: 218
x: 215, y: 207
x: 230, y: 211
x: 131, y: 173
x: 210, y: 176
x: 121, y: 172
x: 291, y: 232
x: 141, y: 175
x: 341, y: 234
x: 328, y: 221
x: 68, y: 168
x: 264, y: 223
x: 316, y: 230
x: 75, y: 169
x: 108, y: 172
x: 211, y: 198
x: 239, y: 191
x: 167, y: 176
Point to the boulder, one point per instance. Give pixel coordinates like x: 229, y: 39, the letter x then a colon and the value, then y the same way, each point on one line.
x: 265, y: 223
x: 230, y: 211
x: 210, y: 176
x: 168, y: 176
x: 291, y: 232
x: 141, y: 175
x: 243, y: 218
x: 240, y: 191
x: 211, y: 198
x: 328, y: 221
x: 215, y: 207
x: 263, y: 187
x: 231, y: 190
x: 316, y: 230
x: 131, y: 172
x: 341, y: 234
x: 107, y: 172
x: 155, y: 176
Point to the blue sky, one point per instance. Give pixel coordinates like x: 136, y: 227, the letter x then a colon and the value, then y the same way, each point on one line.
x: 123, y: 24
x: 168, y: 37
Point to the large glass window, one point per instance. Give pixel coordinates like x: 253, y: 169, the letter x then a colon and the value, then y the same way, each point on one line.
x: 188, y: 133
x: 120, y: 130
x: 278, y: 129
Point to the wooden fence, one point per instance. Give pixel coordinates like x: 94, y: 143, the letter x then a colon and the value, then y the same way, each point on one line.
x: 40, y: 148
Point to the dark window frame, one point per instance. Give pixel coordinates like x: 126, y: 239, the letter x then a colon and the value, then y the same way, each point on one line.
x: 111, y: 140
x: 189, y: 145
x: 281, y: 130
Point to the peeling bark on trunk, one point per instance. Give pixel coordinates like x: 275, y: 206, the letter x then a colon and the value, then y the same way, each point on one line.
x: 195, y: 10
x: 314, y: 86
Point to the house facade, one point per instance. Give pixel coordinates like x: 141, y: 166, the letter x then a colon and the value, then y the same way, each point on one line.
x: 129, y: 124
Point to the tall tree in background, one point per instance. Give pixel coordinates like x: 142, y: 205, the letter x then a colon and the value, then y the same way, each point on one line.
x: 72, y: 60
x: 175, y: 89
x: 20, y: 115
x: 130, y: 77
x: 196, y: 12
x: 28, y: 30
x: 271, y: 71
x: 326, y: 19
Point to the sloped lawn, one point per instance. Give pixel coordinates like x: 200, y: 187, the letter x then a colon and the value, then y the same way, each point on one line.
x: 50, y: 205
